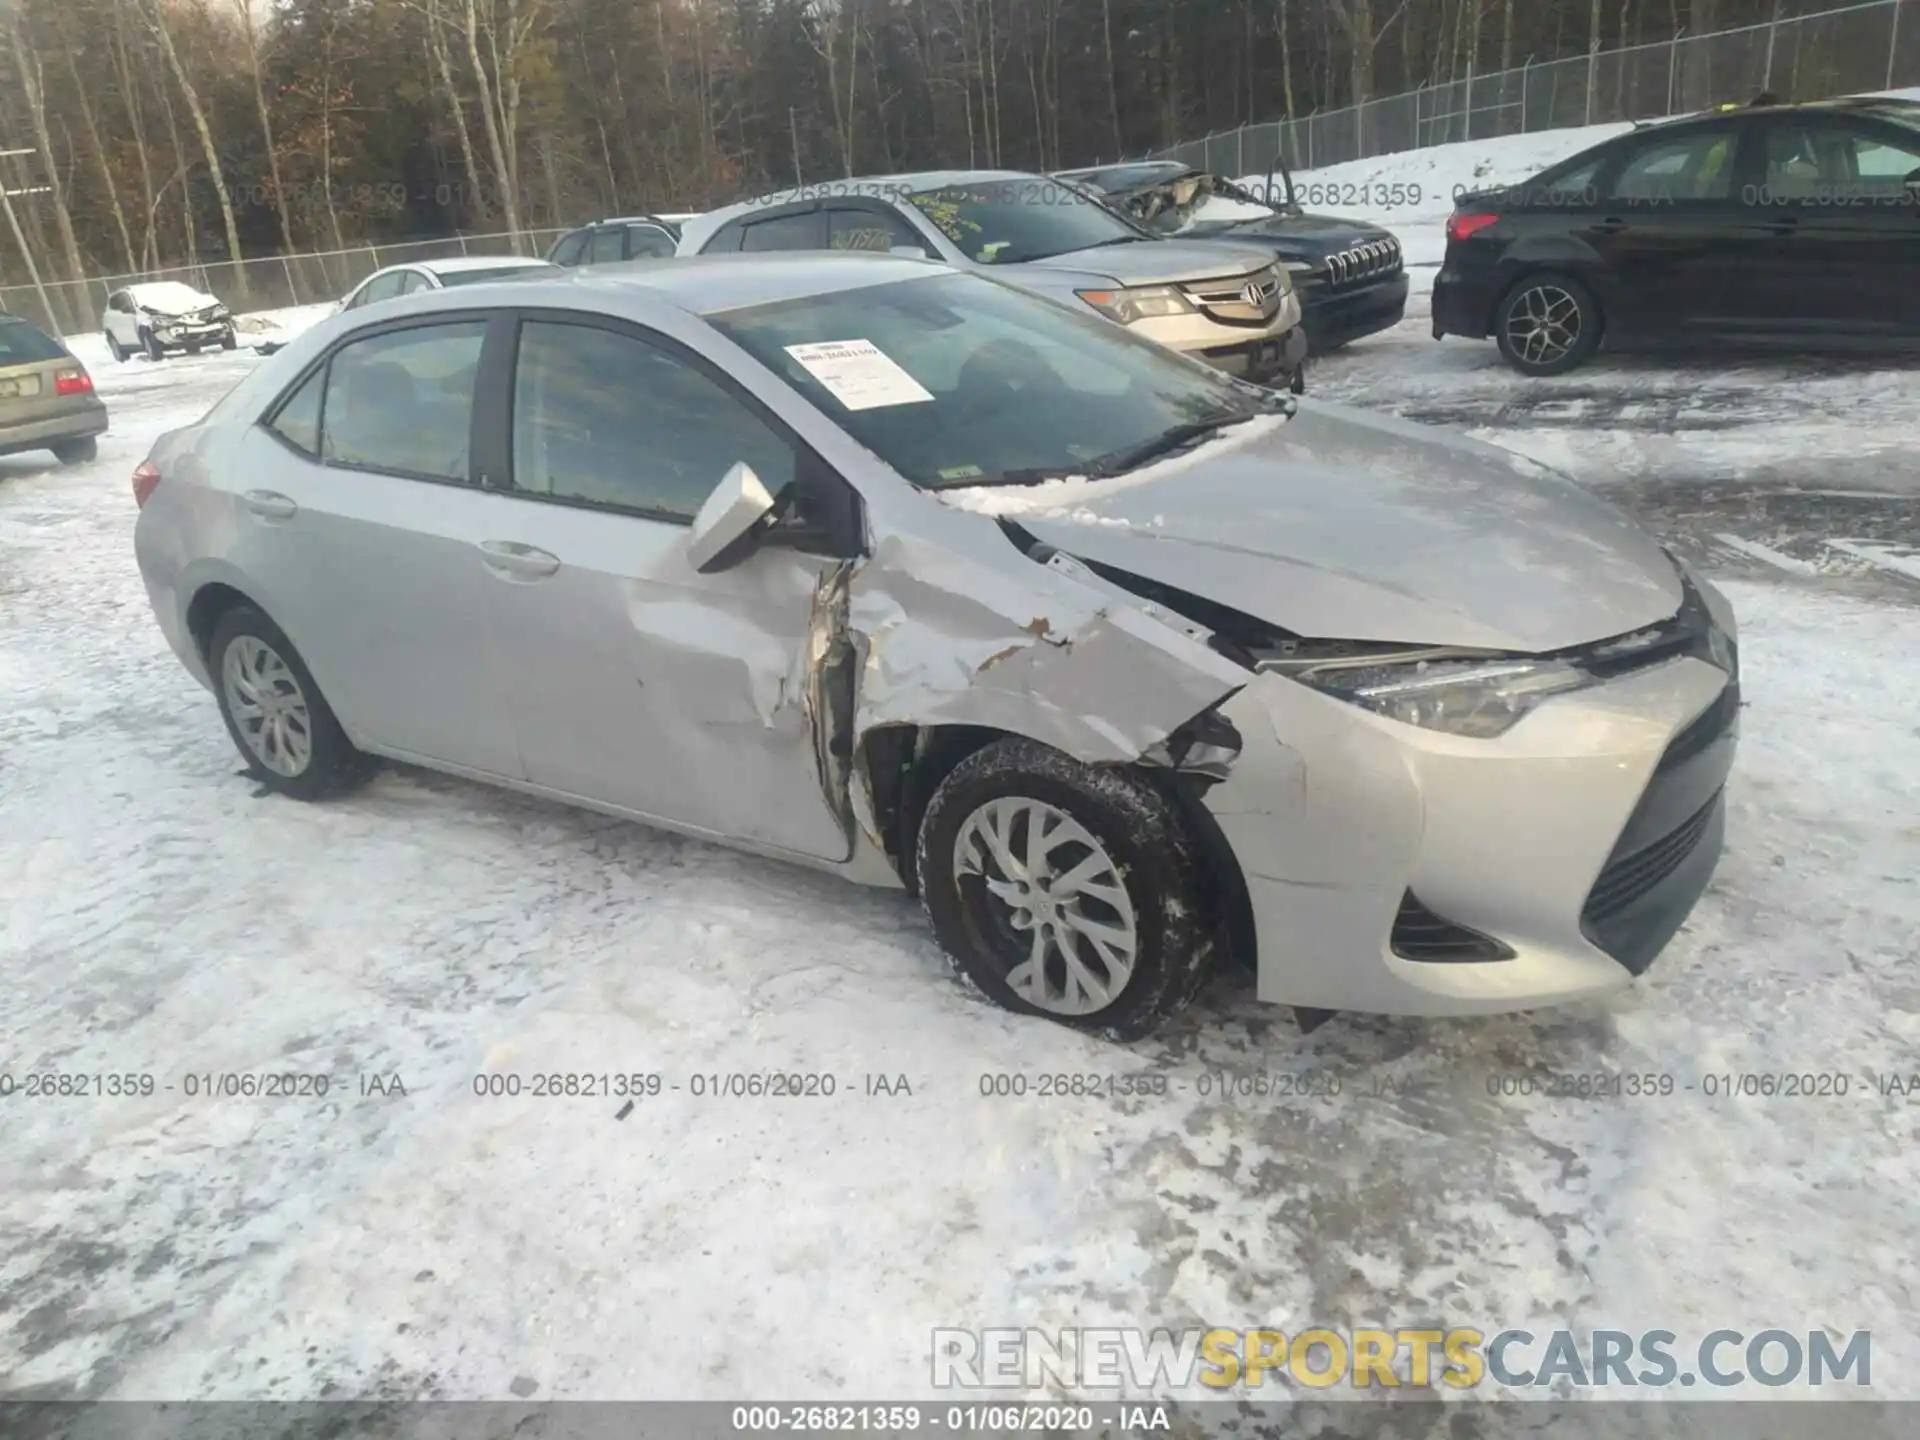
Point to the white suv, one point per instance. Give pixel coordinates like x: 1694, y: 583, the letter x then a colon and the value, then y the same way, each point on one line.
x: 166, y: 315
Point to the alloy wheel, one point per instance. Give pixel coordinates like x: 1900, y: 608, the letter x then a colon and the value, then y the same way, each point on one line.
x: 1543, y: 324
x: 268, y: 706
x: 1045, y: 895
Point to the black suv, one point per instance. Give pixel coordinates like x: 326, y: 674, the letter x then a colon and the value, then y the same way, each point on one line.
x: 625, y: 237
x: 1774, y: 224
x: 1349, y: 274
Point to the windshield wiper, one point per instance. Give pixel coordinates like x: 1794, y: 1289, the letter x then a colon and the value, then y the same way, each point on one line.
x: 1168, y: 442
x: 1117, y: 240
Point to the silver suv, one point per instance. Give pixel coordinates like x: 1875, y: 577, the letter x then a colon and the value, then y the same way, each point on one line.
x: 1233, y: 307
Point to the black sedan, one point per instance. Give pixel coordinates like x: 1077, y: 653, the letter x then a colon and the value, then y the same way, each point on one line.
x: 1349, y: 274
x: 1792, y: 225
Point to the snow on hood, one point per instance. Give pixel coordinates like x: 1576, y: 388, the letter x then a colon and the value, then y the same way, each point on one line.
x: 1340, y: 524
x: 170, y: 297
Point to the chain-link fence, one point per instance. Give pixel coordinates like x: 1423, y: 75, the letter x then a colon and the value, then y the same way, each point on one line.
x: 268, y: 282
x: 1866, y: 47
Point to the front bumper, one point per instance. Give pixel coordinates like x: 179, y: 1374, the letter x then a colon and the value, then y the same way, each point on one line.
x: 208, y: 333
x: 1578, y: 841
x: 1261, y: 361
x: 87, y: 417
x: 1333, y: 318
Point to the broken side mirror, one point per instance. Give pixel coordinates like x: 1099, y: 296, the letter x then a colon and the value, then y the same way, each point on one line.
x: 731, y: 521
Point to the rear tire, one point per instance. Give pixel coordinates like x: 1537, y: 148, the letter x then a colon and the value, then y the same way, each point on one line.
x: 116, y: 349
x: 280, y: 722
x: 1547, y: 324
x: 77, y: 452
x: 1101, y: 925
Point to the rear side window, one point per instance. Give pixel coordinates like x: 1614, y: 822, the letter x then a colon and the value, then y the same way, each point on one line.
x: 650, y: 242
x: 22, y: 344
x: 807, y: 231
x: 606, y: 248
x: 298, y: 420
x: 1695, y: 166
x: 402, y: 401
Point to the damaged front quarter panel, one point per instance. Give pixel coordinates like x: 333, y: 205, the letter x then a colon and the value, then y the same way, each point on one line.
x: 946, y: 640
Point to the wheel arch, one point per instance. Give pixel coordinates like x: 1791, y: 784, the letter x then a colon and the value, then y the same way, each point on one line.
x: 1572, y: 259
x: 897, y: 769
x: 211, y: 601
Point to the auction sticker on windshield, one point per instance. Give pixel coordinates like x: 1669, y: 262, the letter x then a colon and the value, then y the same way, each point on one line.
x: 858, y: 374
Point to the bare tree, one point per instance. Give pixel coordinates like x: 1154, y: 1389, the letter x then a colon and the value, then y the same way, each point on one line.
x: 157, y: 18
x: 27, y: 62
x: 250, y: 32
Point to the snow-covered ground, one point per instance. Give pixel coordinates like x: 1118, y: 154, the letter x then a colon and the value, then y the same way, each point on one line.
x: 158, y: 917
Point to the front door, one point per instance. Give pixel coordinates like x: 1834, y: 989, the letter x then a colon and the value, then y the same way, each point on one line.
x: 359, y: 530
x: 635, y: 681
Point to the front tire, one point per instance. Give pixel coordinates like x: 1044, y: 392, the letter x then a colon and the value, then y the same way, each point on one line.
x: 230, y: 340
x: 279, y: 720
x: 156, y: 352
x: 77, y: 452
x: 1547, y: 324
x: 1064, y: 890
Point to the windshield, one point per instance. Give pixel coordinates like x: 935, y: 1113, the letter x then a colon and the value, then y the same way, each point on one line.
x: 22, y: 344
x: 169, y: 295
x: 1197, y: 205
x: 1003, y: 222
x: 957, y: 380
x: 491, y: 272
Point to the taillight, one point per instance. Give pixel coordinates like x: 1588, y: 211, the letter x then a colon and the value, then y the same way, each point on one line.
x: 74, y: 381
x: 1461, y: 227
x: 146, y: 475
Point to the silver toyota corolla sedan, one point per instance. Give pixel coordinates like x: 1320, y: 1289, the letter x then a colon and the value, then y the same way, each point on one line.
x: 1122, y: 664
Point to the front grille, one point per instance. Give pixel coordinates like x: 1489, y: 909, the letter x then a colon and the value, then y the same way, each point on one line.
x: 1227, y: 298
x: 1420, y: 934
x: 1628, y: 878
x: 1363, y: 264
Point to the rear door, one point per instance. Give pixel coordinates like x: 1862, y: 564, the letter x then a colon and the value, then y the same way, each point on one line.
x: 1667, y: 205
x: 1840, y: 253
x: 360, y: 520
x: 635, y: 681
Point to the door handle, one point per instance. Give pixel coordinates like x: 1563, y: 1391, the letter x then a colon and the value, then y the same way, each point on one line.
x: 517, y: 561
x: 270, y: 505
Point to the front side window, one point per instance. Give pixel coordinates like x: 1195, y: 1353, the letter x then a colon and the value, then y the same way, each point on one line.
x: 956, y: 380
x: 402, y: 401
x: 859, y: 229
x: 1007, y: 222
x: 1837, y: 164
x: 381, y: 287
x: 804, y: 231
x: 570, y: 248
x: 1697, y: 165
x: 607, y: 418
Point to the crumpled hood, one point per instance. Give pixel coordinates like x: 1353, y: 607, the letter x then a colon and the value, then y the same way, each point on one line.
x: 1153, y: 262
x: 1343, y: 524
x: 1306, y: 236
x: 176, y: 303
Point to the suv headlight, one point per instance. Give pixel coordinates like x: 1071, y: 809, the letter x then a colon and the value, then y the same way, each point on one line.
x: 1475, y: 698
x: 1142, y: 303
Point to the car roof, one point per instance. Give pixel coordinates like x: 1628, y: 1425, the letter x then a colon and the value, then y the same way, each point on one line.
x: 708, y: 284
x: 455, y: 263
x: 1881, y: 105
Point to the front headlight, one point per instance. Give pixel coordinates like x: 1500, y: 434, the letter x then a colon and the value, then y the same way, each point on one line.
x: 1475, y: 698
x: 1142, y: 303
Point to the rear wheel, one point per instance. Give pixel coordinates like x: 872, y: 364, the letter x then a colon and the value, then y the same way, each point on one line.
x: 1064, y: 890
x: 279, y: 720
x: 1547, y: 324
x: 115, y: 348
x: 76, y: 452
